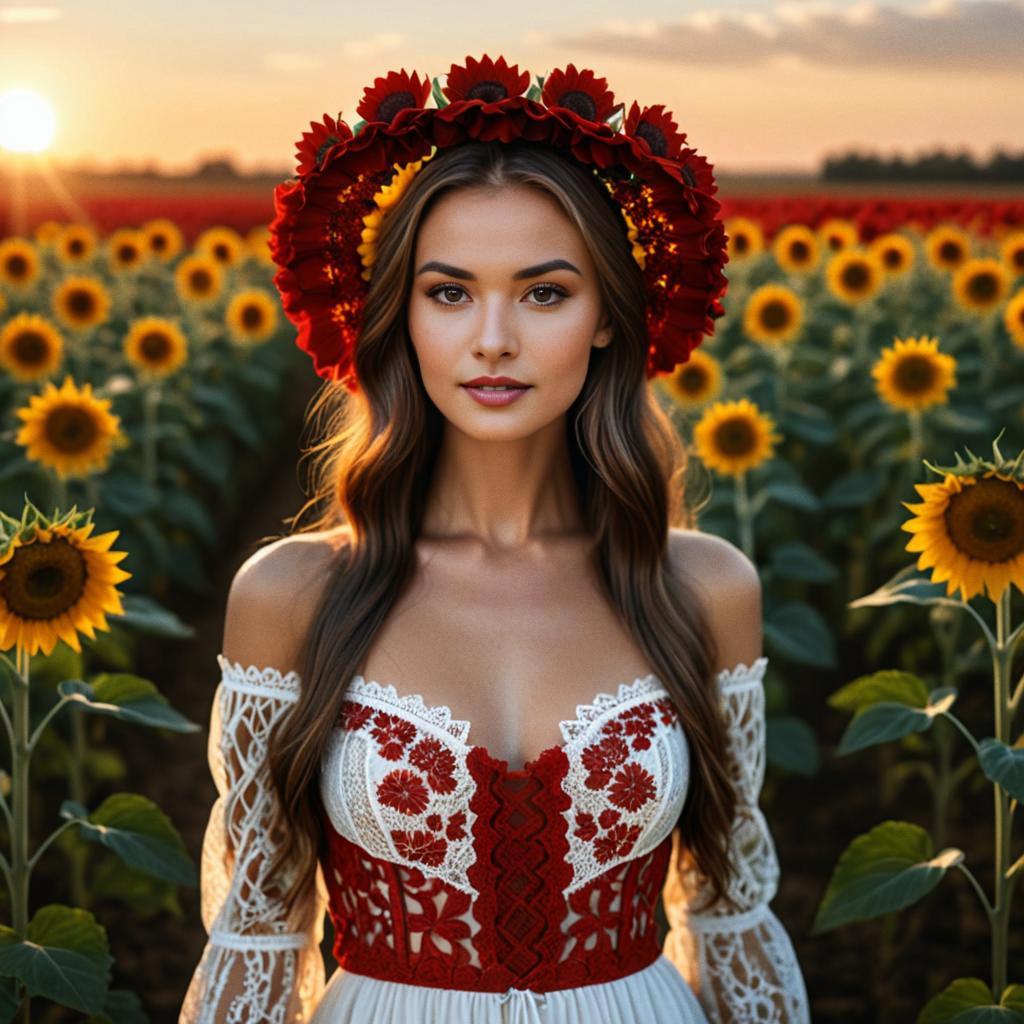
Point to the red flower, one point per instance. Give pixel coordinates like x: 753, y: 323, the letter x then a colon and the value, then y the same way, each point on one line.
x: 655, y: 126
x: 448, y: 923
x: 667, y: 709
x: 638, y: 722
x: 391, y: 94
x: 617, y: 842
x: 632, y: 788
x: 486, y: 80
x: 434, y: 822
x: 438, y: 763
x: 392, y: 734
x: 420, y: 845
x: 354, y: 716
x: 456, y: 825
x: 608, y: 817
x: 403, y: 790
x: 314, y: 145
x: 585, y: 827
x: 579, y: 91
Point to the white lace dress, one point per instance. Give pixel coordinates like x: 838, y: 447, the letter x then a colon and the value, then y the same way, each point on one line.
x: 463, y: 892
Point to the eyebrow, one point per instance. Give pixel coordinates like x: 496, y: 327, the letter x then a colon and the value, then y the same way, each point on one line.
x: 536, y: 271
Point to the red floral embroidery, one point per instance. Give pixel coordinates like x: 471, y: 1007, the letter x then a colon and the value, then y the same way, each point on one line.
x: 420, y: 845
x: 403, y: 790
x: 617, y: 842
x: 392, y: 734
x: 667, y: 709
x: 434, y: 822
x: 437, y: 762
x: 456, y: 825
x: 446, y: 923
x: 638, y: 722
x: 608, y: 817
x: 353, y: 715
x: 601, y: 758
x: 586, y: 829
x: 632, y: 788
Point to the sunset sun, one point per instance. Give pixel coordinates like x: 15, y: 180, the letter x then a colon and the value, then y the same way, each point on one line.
x: 27, y: 121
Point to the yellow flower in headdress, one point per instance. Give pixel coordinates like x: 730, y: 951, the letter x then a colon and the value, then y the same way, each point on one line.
x: 388, y: 195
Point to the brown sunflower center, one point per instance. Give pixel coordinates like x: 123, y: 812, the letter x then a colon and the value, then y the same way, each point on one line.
x: 81, y: 302
x: 158, y: 242
x: 693, y: 379
x: 201, y: 281
x: 1017, y: 258
x: 70, y: 429
x: 983, y: 286
x: 127, y: 253
x: 741, y: 243
x: 986, y: 520
x: 17, y: 266
x: 892, y: 258
x: 914, y: 374
x: 392, y: 104
x: 856, y: 276
x: 799, y: 251
x: 654, y: 137
x: 76, y: 246
x: 734, y: 436
x: 775, y: 315
x: 252, y: 316
x: 30, y: 348
x: 1020, y: 316
x: 950, y: 251
x: 154, y: 346
x: 222, y: 252
x: 835, y: 242
x: 579, y: 103
x: 489, y: 92
x: 324, y: 146
x: 43, y: 579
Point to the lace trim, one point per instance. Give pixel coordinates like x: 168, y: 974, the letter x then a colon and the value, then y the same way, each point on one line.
x: 701, y: 923
x: 603, y: 703
x: 741, y: 674
x: 259, y: 680
x: 243, y: 943
x: 437, y: 715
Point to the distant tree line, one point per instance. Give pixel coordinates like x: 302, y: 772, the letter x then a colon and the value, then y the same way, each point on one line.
x: 937, y: 165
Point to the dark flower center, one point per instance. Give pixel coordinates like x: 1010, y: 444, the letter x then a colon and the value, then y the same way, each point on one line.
x: 950, y: 251
x: 81, y: 303
x: 17, y: 266
x: 693, y: 379
x: 201, y: 281
x: 127, y: 253
x: 986, y: 520
x: 76, y: 246
x: 856, y: 276
x: 741, y: 243
x: 775, y: 315
x: 579, y: 103
x: 252, y: 317
x: 30, y: 348
x: 915, y: 374
x: 158, y: 242
x: 735, y: 436
x: 155, y: 346
x: 392, y: 104
x: 43, y: 579
x: 70, y: 429
x: 653, y: 136
x: 892, y: 258
x: 983, y: 286
x: 489, y: 92
x: 799, y: 251
x: 222, y: 252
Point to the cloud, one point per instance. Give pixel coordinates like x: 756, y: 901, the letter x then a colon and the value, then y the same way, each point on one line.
x: 293, y: 62
x: 23, y: 15
x: 945, y: 35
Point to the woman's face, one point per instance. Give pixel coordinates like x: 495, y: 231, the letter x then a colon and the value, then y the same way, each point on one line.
x: 486, y: 301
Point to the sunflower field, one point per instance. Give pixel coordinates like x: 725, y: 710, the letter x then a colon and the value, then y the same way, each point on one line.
x: 143, y: 379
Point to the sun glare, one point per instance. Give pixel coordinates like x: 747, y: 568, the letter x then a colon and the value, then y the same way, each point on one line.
x: 27, y: 121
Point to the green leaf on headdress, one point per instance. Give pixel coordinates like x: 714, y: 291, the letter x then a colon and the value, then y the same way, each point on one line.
x: 440, y: 100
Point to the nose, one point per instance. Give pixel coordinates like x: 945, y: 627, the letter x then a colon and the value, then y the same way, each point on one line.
x: 496, y: 332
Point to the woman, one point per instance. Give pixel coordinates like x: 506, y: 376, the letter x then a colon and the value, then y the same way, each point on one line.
x: 502, y: 578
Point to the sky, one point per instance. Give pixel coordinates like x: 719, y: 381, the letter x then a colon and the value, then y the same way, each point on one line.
x: 756, y: 86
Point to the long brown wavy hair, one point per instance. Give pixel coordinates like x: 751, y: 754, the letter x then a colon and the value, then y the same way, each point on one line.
x: 373, y: 466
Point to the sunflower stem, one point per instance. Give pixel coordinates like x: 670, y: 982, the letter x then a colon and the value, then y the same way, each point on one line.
x: 916, y: 421
x: 78, y: 852
x: 150, y: 400
x: 1001, y: 687
x: 20, y: 756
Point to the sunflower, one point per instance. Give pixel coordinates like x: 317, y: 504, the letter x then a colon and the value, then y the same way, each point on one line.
x: 251, y: 316
x: 127, y: 249
x: 31, y: 347
x: 914, y: 374
x: 981, y: 284
x: 384, y: 199
x: 838, y: 233
x: 164, y: 239
x: 223, y: 244
x: 69, y: 430
x: 1013, y: 318
x: 894, y: 251
x: 796, y: 248
x: 76, y: 243
x: 198, y: 278
x: 19, y: 263
x: 1011, y: 249
x: 155, y: 346
x: 773, y: 315
x: 947, y: 246
x: 258, y: 242
x: 81, y: 302
x: 55, y: 582
x: 745, y: 238
x: 48, y: 232
x: 854, y: 275
x: 733, y: 437
x: 694, y: 382
x: 970, y: 527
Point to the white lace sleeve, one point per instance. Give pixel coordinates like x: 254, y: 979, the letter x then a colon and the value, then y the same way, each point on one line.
x: 736, y: 954
x: 258, y: 966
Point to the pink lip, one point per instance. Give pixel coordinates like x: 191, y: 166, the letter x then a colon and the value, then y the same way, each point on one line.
x: 495, y: 397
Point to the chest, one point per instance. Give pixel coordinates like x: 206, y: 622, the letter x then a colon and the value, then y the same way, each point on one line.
x: 512, y: 647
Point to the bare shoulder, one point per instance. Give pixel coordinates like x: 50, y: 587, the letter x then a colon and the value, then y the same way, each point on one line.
x: 730, y: 584
x: 273, y: 596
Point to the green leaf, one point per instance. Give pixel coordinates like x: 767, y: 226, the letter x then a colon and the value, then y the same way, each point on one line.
x: 883, y: 870
x: 127, y: 495
x: 970, y: 1001
x: 139, y: 833
x: 907, y: 585
x: 10, y: 999
x: 887, y: 685
x: 112, y: 879
x: 790, y: 743
x: 799, y: 632
x: 128, y: 697
x: 854, y: 490
x: 65, y: 957
x: 795, y: 560
x: 792, y: 495
x: 183, y: 509
x: 147, y: 616
x: 1003, y: 765
x: 809, y: 423
x: 891, y: 720
x: 121, y: 1007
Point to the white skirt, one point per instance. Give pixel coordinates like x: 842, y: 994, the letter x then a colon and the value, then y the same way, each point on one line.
x: 657, y: 994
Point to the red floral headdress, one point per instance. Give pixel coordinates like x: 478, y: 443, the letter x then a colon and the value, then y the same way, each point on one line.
x: 319, y: 232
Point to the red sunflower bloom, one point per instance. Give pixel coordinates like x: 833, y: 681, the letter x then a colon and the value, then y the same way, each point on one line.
x: 420, y: 845
x: 582, y: 92
x: 387, y: 96
x: 486, y: 80
x: 403, y: 790
x: 311, y: 149
x: 655, y: 126
x: 632, y: 788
